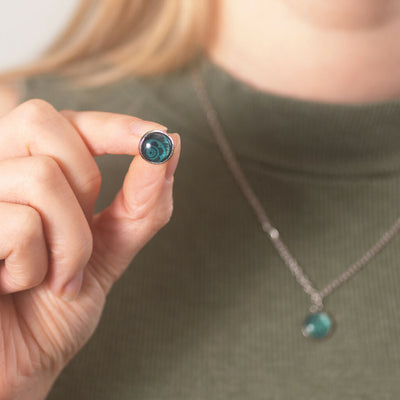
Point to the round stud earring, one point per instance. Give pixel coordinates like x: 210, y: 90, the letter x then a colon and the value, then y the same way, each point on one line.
x: 156, y: 146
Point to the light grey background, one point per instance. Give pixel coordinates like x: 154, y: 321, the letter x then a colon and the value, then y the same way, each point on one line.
x: 28, y: 26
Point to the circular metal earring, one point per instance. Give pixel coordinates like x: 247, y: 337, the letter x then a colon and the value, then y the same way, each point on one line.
x: 156, y: 147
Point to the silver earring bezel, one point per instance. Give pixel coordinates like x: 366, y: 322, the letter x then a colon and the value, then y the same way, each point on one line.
x: 143, y: 138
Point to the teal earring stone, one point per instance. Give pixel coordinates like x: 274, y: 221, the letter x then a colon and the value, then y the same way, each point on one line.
x: 317, y: 325
x: 156, y: 147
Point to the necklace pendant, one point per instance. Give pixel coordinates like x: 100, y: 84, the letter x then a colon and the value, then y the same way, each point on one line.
x: 317, y: 325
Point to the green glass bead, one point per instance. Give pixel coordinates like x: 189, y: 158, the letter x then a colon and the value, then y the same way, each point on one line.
x: 156, y: 147
x: 317, y: 325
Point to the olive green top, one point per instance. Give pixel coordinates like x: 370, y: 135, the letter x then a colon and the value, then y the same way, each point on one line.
x: 208, y: 310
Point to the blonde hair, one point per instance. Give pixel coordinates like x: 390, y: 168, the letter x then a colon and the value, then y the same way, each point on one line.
x: 107, y: 40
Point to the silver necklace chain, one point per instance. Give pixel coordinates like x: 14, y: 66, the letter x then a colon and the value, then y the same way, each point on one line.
x: 316, y: 296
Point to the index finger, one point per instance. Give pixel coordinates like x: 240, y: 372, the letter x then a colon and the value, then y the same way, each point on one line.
x: 109, y: 133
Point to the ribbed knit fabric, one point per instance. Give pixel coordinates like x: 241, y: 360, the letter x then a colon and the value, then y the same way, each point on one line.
x: 208, y: 310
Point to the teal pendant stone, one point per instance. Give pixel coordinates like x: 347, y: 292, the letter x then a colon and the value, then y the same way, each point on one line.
x: 156, y: 147
x: 317, y: 325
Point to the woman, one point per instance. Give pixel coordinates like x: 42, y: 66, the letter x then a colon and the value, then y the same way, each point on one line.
x: 307, y: 95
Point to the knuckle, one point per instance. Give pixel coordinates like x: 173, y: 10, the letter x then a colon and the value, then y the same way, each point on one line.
x: 141, y: 125
x: 117, y: 122
x: 163, y: 216
x: 153, y: 125
x: 158, y: 221
x: 36, y: 110
x: 27, y: 233
x: 19, y: 281
x: 83, y: 248
x: 27, y: 281
x: 29, y: 224
x: 144, y: 201
x: 74, y: 254
x: 156, y: 210
x: 44, y: 170
x: 167, y: 214
x: 92, y: 183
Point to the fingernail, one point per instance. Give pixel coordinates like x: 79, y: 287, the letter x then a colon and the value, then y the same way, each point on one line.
x: 73, y: 287
x: 173, y: 162
x: 139, y: 128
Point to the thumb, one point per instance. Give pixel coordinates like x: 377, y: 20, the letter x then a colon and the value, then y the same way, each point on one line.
x: 140, y: 209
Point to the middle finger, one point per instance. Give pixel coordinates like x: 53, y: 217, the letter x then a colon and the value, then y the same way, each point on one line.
x: 37, y: 128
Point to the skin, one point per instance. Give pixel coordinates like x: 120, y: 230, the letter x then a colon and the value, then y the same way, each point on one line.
x: 60, y: 259
x: 332, y: 51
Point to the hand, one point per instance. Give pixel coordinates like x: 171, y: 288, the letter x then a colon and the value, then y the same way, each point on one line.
x: 60, y: 260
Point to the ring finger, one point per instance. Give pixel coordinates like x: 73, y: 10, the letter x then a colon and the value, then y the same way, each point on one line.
x: 45, y: 188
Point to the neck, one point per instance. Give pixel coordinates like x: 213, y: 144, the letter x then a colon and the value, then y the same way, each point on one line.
x: 332, y: 50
